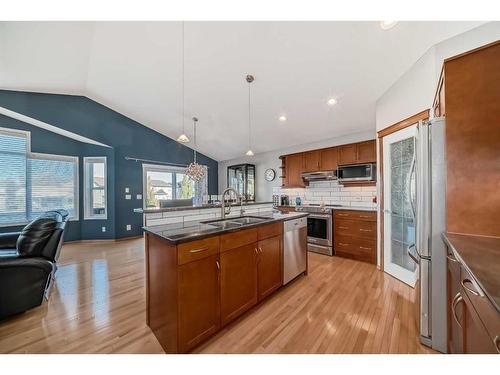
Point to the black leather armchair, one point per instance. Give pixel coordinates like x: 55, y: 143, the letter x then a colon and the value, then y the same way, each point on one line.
x: 28, y: 262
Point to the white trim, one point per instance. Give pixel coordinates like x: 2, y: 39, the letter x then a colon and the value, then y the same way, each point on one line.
x: 49, y: 127
x: 86, y: 188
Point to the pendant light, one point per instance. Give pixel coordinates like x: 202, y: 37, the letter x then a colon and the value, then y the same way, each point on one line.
x: 183, y: 138
x: 249, y: 78
x: 194, y: 170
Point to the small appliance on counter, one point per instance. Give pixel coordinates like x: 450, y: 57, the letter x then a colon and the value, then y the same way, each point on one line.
x: 284, y: 200
x: 298, y: 201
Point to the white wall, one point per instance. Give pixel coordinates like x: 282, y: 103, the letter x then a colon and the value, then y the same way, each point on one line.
x: 263, y: 161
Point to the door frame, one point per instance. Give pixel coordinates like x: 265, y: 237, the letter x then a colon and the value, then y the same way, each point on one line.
x: 420, y: 116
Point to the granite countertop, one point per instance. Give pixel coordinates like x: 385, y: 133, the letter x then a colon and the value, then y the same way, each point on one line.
x: 481, y: 257
x: 187, y: 208
x: 352, y: 208
x: 196, y: 230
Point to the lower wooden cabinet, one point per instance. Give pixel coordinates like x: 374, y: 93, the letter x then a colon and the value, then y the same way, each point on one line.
x: 238, y: 289
x: 269, y: 266
x: 199, y: 307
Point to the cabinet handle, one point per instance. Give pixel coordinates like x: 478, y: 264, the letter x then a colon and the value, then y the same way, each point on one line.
x: 365, y: 216
x: 342, y: 215
x: 343, y: 244
x: 365, y: 230
x: 217, y: 264
x: 260, y: 250
x: 256, y: 251
x: 365, y: 248
x: 475, y: 292
x: 343, y: 228
x: 198, y: 250
x: 496, y: 341
x: 458, y: 298
x: 451, y: 258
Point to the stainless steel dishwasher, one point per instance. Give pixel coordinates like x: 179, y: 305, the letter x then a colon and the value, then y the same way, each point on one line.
x: 294, y: 248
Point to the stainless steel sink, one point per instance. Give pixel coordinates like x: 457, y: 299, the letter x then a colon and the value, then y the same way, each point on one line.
x: 236, y: 221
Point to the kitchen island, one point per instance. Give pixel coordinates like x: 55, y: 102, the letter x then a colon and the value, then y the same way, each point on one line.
x: 200, y: 276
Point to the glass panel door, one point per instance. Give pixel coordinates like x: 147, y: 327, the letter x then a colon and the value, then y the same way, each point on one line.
x: 399, y: 203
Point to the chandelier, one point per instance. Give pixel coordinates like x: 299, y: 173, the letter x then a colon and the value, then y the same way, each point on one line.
x: 194, y: 170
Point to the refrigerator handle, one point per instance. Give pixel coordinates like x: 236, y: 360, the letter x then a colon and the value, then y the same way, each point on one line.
x: 410, y: 254
x: 408, y: 183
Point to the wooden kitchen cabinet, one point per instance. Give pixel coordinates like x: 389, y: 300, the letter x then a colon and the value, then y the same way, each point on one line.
x: 362, y: 152
x: 455, y: 307
x: 328, y: 159
x: 238, y: 290
x: 311, y: 161
x: 294, y: 169
x: 347, y: 154
x: 270, y: 265
x: 199, y: 306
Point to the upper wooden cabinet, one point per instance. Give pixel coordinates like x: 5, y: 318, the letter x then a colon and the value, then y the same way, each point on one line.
x: 363, y: 152
x: 294, y: 169
x: 311, y: 161
x: 328, y: 159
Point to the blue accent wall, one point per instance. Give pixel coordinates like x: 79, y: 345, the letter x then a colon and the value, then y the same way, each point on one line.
x: 127, y: 137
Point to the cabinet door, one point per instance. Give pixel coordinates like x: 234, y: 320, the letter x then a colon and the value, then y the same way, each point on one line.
x: 199, y: 307
x: 347, y: 154
x: 238, y: 281
x: 455, y: 307
x: 366, y: 152
x: 476, y: 338
x: 328, y: 159
x: 294, y: 168
x: 311, y: 161
x: 269, y: 266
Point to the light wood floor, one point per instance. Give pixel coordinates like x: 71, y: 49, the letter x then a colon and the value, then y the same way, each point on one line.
x: 97, y: 305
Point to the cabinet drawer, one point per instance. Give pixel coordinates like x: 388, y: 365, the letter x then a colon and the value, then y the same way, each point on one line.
x: 237, y: 239
x: 270, y: 230
x: 486, y: 311
x: 194, y: 250
x: 355, y: 215
x: 356, y: 248
x: 356, y: 228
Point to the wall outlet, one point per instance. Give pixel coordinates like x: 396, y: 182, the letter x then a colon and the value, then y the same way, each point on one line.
x: 127, y: 190
x: 103, y: 229
x: 129, y: 227
x: 128, y: 196
x: 139, y: 196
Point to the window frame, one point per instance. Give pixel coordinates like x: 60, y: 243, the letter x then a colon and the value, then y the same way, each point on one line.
x: 87, y: 190
x: 76, y: 161
x: 161, y: 168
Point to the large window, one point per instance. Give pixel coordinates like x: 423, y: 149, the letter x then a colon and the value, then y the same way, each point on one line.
x: 169, y: 183
x: 33, y: 183
x: 95, y: 197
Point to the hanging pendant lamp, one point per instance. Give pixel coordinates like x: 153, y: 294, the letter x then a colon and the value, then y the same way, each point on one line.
x: 194, y: 170
x: 249, y: 78
x: 183, y: 138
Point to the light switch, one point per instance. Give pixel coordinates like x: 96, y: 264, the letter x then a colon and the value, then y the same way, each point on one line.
x: 128, y: 196
x: 139, y: 196
x: 129, y: 227
x: 103, y: 229
x: 127, y: 190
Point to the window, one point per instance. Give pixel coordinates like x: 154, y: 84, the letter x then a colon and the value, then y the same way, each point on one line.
x: 14, y: 146
x: 95, y: 187
x: 33, y: 183
x: 169, y: 183
x: 52, y: 184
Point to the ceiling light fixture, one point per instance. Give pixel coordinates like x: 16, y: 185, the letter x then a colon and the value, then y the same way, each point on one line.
x: 332, y: 101
x: 194, y: 170
x: 249, y: 78
x: 282, y: 118
x: 183, y: 138
x: 386, y: 25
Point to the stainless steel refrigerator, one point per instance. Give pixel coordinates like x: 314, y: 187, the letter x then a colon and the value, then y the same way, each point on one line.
x: 429, y: 252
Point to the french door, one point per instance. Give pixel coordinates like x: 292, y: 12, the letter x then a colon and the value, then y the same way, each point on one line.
x: 399, y: 158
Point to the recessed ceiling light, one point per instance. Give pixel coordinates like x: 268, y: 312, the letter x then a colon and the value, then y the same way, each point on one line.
x: 386, y: 25
x: 332, y: 101
x: 282, y: 118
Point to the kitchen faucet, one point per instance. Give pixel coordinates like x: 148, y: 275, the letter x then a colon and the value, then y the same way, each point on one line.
x: 223, y: 207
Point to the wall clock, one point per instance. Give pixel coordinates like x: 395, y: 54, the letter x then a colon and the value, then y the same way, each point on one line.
x: 270, y: 174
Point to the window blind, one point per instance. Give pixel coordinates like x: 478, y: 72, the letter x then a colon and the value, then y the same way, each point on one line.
x: 13, y: 150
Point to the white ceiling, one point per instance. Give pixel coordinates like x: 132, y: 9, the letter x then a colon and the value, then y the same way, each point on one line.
x: 135, y: 69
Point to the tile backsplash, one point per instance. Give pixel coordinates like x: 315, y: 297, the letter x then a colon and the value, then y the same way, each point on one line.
x: 331, y: 192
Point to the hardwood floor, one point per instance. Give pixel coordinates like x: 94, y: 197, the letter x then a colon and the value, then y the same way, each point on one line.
x: 97, y: 305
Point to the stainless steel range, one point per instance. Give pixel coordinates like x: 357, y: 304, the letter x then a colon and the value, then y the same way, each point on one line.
x: 319, y: 228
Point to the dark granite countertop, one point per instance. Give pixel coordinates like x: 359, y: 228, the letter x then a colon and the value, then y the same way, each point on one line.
x: 196, y: 230
x: 481, y: 257
x: 186, y: 208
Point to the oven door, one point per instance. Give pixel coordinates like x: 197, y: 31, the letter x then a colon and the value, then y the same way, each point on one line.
x: 319, y: 229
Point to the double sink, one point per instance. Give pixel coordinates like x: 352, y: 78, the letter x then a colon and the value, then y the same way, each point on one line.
x: 236, y: 222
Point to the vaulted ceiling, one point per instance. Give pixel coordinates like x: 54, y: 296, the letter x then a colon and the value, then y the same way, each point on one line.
x: 135, y: 68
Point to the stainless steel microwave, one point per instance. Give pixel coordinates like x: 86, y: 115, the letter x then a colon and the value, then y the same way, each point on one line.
x: 357, y: 172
